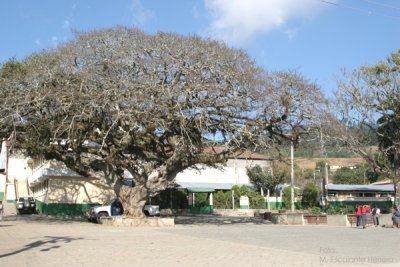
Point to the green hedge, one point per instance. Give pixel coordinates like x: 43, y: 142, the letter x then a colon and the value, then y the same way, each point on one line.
x: 63, y: 209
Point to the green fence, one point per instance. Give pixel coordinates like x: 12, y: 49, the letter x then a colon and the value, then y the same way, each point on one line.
x: 274, y: 205
x: 62, y: 209
x: 384, y: 206
x: 201, y: 210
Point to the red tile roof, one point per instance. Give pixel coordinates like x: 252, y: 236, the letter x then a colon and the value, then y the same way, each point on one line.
x: 241, y: 154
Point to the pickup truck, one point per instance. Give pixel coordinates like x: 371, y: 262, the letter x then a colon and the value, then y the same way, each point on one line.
x: 26, y: 205
x: 114, y: 208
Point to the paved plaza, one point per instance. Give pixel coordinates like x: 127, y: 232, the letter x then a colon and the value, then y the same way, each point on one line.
x: 194, y: 241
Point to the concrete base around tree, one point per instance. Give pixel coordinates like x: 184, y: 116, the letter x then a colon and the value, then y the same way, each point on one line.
x: 136, y: 222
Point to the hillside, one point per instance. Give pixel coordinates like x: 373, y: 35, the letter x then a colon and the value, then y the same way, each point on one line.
x: 310, y: 163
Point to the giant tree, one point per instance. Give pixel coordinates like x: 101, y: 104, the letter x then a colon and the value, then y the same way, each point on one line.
x: 120, y: 102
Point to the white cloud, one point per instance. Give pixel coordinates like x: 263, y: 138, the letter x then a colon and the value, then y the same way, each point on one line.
x: 196, y: 12
x: 54, y: 41
x: 140, y: 14
x: 67, y: 24
x: 239, y: 21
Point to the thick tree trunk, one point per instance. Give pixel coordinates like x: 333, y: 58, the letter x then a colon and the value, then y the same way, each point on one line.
x: 133, y: 199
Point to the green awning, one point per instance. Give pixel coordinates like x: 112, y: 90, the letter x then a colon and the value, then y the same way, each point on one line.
x: 200, y: 189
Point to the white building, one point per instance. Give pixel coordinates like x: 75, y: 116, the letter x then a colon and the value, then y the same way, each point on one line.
x: 226, y: 175
x: 61, y: 191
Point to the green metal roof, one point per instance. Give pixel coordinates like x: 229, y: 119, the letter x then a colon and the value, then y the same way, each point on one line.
x: 200, y: 189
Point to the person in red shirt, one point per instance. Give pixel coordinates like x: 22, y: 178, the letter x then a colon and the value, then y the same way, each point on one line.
x: 358, y: 214
x: 364, y: 215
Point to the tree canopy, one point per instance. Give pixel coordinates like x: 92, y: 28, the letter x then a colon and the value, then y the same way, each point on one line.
x: 368, y: 112
x: 120, y: 102
x: 263, y: 178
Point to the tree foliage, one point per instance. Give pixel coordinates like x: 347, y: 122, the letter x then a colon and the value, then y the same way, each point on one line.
x: 368, y: 112
x: 347, y: 175
x: 263, y: 178
x: 256, y: 201
x: 286, y: 196
x: 223, y: 200
x: 361, y: 174
x: 310, y: 197
x: 120, y: 102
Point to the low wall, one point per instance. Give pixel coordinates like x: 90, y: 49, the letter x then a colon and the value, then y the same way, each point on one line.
x: 337, y: 220
x: 234, y: 213
x: 174, y: 212
x: 386, y: 220
x: 341, y: 220
x: 302, y: 219
x: 315, y: 219
x: 133, y: 222
x: 288, y: 218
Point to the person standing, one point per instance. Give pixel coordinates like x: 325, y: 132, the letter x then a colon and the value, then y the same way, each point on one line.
x: 1, y: 210
x: 358, y: 215
x: 376, y: 212
x: 364, y: 215
x: 395, y: 217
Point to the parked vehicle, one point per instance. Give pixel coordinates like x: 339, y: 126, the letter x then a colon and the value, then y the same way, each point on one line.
x: 26, y: 205
x: 114, y: 208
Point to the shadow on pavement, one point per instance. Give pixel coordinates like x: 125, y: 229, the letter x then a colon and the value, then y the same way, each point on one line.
x: 218, y: 220
x: 42, y: 219
x: 46, y: 244
x: 6, y: 225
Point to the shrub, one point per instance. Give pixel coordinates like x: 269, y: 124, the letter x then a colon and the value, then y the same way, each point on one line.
x: 286, y: 197
x: 223, y: 200
x: 310, y: 196
x: 316, y: 211
x: 201, y: 200
x: 331, y: 210
x: 257, y: 201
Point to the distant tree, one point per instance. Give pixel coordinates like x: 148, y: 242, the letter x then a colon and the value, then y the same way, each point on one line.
x: 367, y: 113
x: 263, y: 178
x: 346, y: 175
x: 360, y: 174
x: 310, y: 197
x: 308, y: 174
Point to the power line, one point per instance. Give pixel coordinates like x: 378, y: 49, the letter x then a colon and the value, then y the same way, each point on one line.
x: 381, y: 4
x: 360, y: 10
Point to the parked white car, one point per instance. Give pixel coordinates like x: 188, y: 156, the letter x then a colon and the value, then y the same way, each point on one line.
x: 114, y: 208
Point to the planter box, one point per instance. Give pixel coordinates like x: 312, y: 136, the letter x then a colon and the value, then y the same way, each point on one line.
x: 316, y: 219
x: 133, y: 222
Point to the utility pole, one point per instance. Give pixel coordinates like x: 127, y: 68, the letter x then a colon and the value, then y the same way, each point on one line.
x: 326, y: 184
x: 292, y: 174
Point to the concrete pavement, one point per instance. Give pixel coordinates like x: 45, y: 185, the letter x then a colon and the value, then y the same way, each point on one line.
x: 35, y: 241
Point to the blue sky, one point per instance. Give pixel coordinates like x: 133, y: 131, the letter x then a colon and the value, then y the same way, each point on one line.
x: 316, y: 38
